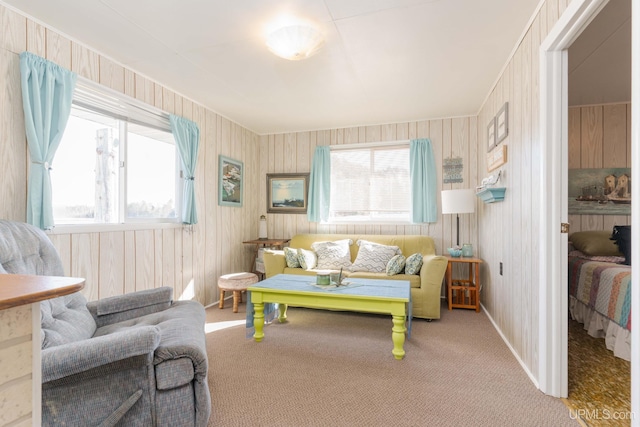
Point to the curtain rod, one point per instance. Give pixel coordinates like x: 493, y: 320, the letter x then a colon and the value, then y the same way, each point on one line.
x: 369, y: 144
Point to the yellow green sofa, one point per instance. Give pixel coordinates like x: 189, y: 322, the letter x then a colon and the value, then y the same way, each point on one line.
x: 426, y: 287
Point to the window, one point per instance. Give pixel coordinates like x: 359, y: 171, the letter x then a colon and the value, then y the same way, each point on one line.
x: 370, y: 184
x: 115, y: 164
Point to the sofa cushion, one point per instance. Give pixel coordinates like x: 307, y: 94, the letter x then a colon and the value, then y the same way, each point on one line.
x: 65, y: 320
x: 413, y: 264
x: 373, y: 257
x: 308, y: 259
x: 291, y: 257
x: 333, y: 255
x: 395, y: 265
x: 413, y: 280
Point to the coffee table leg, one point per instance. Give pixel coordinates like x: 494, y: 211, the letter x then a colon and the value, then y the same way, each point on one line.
x: 282, y: 312
x: 397, y: 335
x: 258, y: 321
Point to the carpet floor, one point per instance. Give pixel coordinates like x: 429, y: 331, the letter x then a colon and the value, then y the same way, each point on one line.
x: 324, y: 368
x: 599, y: 382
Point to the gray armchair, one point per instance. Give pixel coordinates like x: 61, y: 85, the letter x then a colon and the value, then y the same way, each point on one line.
x: 133, y: 360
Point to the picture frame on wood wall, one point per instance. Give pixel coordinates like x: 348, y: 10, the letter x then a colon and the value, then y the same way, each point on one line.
x: 287, y: 193
x: 230, y: 182
x: 502, y: 123
x: 491, y: 134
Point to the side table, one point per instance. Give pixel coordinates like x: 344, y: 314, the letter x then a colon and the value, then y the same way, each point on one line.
x: 263, y: 243
x: 467, y: 291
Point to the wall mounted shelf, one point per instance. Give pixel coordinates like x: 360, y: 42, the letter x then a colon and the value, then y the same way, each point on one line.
x: 492, y: 194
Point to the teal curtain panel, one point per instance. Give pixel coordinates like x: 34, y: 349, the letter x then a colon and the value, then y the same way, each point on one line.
x: 320, y: 185
x: 187, y: 136
x: 422, y: 170
x: 47, y: 92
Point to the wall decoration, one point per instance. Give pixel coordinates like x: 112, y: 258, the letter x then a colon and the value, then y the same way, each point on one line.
x: 287, y: 192
x: 230, y: 182
x: 497, y: 158
x: 491, y: 134
x: 502, y: 123
x: 604, y: 191
x: 452, y: 170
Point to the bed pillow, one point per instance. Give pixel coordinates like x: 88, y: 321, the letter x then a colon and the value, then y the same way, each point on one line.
x: 373, y: 257
x: 596, y: 243
x: 413, y: 264
x: 333, y: 255
x: 291, y: 256
x: 395, y: 265
x: 307, y: 259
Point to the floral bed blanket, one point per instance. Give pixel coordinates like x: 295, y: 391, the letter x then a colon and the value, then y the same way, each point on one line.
x: 603, y: 286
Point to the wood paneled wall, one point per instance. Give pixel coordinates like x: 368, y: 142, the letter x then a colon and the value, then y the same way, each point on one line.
x: 599, y: 137
x: 508, y: 231
x: 189, y: 259
x: 293, y: 152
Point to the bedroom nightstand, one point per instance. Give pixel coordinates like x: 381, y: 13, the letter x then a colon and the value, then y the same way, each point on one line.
x: 463, y: 293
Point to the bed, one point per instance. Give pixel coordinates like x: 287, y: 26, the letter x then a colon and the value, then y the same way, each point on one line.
x: 600, y: 290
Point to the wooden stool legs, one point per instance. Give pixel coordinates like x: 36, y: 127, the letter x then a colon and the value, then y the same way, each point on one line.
x: 237, y: 299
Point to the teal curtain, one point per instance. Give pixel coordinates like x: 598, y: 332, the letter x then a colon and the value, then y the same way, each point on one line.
x: 187, y: 137
x: 422, y: 169
x: 320, y: 185
x: 47, y: 92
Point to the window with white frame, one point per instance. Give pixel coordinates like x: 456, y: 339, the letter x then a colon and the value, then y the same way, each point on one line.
x: 370, y: 183
x: 117, y: 162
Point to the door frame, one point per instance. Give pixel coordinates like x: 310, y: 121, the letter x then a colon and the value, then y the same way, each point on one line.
x: 553, y: 296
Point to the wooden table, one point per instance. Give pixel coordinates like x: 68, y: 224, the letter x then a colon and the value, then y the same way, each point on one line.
x: 467, y: 291
x: 263, y: 243
x: 366, y: 295
x: 20, y: 370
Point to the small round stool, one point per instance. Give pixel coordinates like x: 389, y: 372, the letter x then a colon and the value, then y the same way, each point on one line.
x: 235, y: 282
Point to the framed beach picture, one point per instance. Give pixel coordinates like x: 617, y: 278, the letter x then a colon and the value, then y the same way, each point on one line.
x: 230, y: 182
x: 287, y: 192
x: 502, y: 123
x: 491, y: 134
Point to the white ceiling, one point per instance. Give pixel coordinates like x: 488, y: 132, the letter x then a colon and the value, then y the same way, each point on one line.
x: 383, y: 61
x: 600, y: 58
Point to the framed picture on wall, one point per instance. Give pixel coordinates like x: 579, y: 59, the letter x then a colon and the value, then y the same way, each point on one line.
x: 230, y: 182
x: 502, y: 123
x: 287, y: 193
x: 491, y: 134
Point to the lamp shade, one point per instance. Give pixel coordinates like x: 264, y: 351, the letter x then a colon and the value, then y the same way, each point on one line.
x: 458, y: 201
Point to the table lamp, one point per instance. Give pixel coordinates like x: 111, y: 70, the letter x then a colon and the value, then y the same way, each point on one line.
x: 457, y: 202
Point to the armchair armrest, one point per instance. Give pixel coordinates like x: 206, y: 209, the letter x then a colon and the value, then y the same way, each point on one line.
x: 124, y: 307
x: 69, y: 359
x: 432, y: 271
x: 274, y: 262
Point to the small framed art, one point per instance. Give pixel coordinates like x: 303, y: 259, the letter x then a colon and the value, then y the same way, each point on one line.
x: 287, y: 193
x: 491, y: 134
x: 230, y: 182
x: 502, y: 123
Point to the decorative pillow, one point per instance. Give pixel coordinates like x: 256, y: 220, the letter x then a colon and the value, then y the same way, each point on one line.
x: 307, y: 259
x: 333, y: 255
x: 366, y: 242
x: 622, y: 236
x: 413, y: 264
x: 594, y: 242
x: 291, y: 256
x: 395, y: 265
x: 373, y: 258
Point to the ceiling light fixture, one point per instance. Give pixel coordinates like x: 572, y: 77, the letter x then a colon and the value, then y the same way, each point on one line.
x: 295, y: 42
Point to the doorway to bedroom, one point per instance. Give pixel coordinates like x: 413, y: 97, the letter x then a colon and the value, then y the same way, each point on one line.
x: 554, y: 94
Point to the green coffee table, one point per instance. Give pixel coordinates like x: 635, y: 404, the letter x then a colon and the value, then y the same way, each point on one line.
x: 365, y: 295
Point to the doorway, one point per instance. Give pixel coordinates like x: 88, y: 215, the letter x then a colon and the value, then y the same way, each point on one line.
x: 553, y: 308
